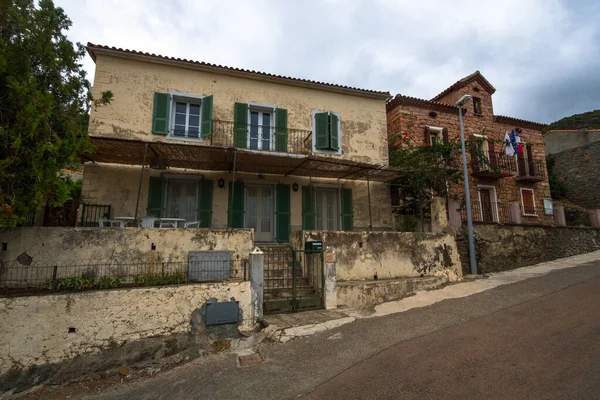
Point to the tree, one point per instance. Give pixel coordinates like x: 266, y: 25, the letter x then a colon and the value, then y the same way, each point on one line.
x: 558, y: 188
x: 44, y: 103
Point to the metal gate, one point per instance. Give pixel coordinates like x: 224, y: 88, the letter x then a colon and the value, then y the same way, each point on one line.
x: 294, y: 280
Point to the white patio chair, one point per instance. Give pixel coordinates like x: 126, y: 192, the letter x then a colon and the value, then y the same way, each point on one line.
x: 192, y: 224
x: 168, y: 224
x: 147, y: 222
x: 104, y: 222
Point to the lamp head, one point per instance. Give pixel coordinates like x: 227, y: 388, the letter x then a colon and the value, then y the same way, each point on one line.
x: 464, y: 100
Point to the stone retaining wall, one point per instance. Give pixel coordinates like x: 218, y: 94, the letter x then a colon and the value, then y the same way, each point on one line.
x: 505, y: 247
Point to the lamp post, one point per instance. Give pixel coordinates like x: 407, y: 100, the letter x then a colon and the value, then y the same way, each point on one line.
x: 460, y: 103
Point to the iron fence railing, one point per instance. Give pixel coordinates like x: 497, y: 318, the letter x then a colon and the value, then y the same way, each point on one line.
x: 78, y: 275
x: 530, y: 168
x: 28, y: 219
x: 91, y: 214
x: 493, y: 162
x: 255, y: 137
x: 492, y: 212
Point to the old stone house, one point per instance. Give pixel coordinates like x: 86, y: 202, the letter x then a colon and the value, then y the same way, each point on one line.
x: 231, y: 148
x: 503, y: 189
x: 577, y: 163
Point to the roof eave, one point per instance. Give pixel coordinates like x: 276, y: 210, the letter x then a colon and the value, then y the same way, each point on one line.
x: 93, y: 51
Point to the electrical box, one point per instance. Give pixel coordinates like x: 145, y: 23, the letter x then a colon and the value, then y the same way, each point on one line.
x: 226, y: 312
x: 313, y: 245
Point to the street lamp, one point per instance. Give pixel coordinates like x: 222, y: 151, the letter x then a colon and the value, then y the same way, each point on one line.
x: 460, y: 104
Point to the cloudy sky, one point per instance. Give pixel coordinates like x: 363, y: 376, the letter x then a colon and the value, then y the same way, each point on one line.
x: 543, y: 56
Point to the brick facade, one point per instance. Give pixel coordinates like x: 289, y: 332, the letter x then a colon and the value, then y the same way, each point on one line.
x: 414, y: 115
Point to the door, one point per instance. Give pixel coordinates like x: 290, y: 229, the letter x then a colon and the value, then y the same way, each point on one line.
x: 182, y: 199
x: 487, y: 212
x: 259, y: 212
x: 327, y: 209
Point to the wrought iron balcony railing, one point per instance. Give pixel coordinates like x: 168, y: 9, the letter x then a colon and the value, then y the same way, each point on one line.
x: 493, y: 165
x: 530, y: 170
x: 254, y: 137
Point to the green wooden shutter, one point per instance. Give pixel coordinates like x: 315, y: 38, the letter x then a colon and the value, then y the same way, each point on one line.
x: 207, y: 123
x: 156, y: 193
x: 322, y: 131
x: 160, y: 115
x: 282, y: 210
x: 334, y: 126
x: 240, y: 125
x: 308, y: 207
x: 347, y: 211
x: 205, y: 200
x: 235, y: 217
x: 281, y: 130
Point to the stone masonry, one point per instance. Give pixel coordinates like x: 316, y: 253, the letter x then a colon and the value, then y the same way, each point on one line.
x: 412, y: 115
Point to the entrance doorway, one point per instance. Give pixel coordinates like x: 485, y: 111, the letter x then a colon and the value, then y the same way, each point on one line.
x: 259, y: 212
x: 327, y: 209
x: 487, y: 204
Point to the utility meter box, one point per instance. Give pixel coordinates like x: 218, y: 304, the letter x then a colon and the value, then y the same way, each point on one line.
x: 313, y: 245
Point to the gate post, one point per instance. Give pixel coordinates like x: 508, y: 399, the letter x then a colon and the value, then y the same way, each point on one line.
x: 330, y: 283
x: 257, y: 277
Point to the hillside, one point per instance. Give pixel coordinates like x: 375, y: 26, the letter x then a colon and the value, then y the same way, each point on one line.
x: 589, y: 120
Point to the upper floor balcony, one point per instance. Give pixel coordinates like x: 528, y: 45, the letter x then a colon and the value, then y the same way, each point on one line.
x: 530, y: 170
x: 492, y: 165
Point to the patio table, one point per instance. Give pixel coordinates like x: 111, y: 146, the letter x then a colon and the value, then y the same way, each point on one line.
x: 122, y: 221
x: 170, y: 221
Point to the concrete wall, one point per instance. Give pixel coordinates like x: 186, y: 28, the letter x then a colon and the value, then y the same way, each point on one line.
x: 66, y: 244
x: 362, y: 255
x: 559, y: 141
x: 413, y: 119
x: 503, y: 247
x: 117, y: 185
x: 133, y: 83
x: 579, y: 169
x: 37, y: 329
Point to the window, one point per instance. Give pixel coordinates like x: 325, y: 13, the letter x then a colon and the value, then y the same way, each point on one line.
x: 528, y: 202
x: 182, y: 116
x: 326, y: 132
x: 260, y: 129
x: 327, y: 209
x: 488, y: 205
x: 186, y: 121
x: 182, y: 199
x: 477, y: 105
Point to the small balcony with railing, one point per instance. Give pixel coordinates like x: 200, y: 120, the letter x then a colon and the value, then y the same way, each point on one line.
x: 267, y: 138
x: 530, y: 170
x: 492, y: 165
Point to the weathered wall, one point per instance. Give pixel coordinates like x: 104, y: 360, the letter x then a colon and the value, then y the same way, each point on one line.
x: 117, y: 185
x: 504, y: 247
x: 67, y: 244
x: 362, y: 255
x: 37, y: 329
x: 133, y: 83
x: 559, y: 141
x: 579, y: 168
x: 413, y: 119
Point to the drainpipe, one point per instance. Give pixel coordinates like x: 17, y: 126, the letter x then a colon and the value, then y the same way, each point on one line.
x: 369, y: 197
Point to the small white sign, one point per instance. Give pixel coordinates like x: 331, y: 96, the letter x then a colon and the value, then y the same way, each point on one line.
x: 548, y: 207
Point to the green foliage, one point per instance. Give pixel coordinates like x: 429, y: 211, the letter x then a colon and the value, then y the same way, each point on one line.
x: 158, y: 280
x: 558, y: 187
x: 85, y: 283
x: 45, y: 99
x: 587, y: 120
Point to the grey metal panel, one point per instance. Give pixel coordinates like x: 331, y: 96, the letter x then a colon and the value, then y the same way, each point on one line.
x: 222, y: 313
x: 205, y: 266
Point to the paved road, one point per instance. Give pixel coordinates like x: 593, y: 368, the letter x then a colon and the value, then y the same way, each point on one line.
x: 534, y: 339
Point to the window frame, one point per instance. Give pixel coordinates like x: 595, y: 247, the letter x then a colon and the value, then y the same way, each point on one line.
x: 523, y: 202
x: 494, y: 200
x: 437, y: 132
x: 188, y: 98
x: 477, y: 105
x: 314, y: 134
x: 169, y: 178
x: 262, y: 108
x: 332, y: 188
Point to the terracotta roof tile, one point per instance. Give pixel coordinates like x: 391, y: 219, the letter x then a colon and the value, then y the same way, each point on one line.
x: 523, y: 123
x: 91, y: 47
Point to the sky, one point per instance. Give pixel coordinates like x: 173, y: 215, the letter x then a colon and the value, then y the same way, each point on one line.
x: 542, y: 56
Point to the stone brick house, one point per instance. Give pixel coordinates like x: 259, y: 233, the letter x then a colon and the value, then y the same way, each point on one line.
x: 514, y: 192
x: 230, y: 148
x: 577, y: 163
